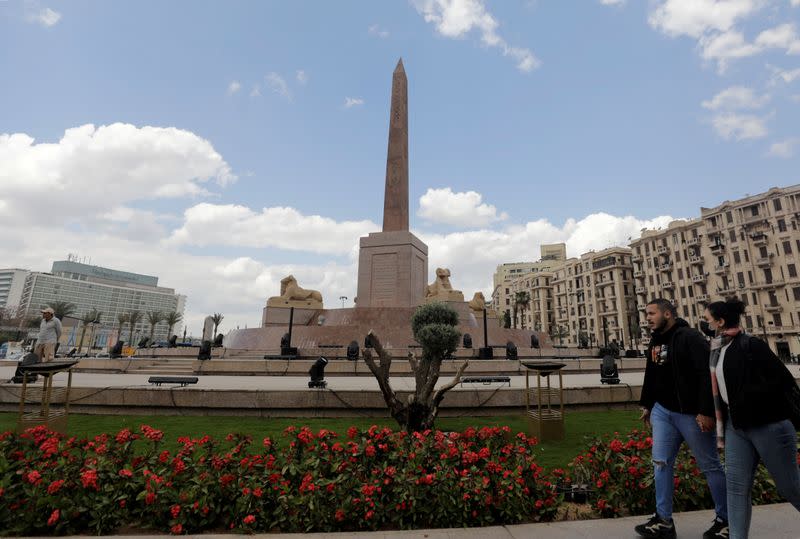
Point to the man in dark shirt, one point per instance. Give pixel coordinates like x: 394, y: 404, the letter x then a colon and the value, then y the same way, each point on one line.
x: 677, y: 403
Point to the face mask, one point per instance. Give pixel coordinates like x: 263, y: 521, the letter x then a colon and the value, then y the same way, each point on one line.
x: 706, y: 329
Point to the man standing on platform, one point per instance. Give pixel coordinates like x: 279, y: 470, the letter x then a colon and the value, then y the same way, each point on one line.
x: 49, y: 334
x: 677, y: 402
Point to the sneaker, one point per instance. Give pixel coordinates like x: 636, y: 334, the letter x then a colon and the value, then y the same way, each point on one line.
x: 718, y: 530
x: 656, y: 528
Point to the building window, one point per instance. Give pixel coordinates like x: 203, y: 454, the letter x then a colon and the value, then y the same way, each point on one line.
x: 796, y: 292
x: 787, y: 247
x: 732, y: 236
x: 781, y: 225
x: 754, y: 210
x: 728, y: 217
x: 737, y: 258
x: 776, y: 202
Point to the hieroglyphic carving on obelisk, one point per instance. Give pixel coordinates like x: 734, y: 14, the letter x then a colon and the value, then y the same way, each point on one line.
x: 395, y: 199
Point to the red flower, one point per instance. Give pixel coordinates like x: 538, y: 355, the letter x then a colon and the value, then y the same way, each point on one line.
x: 175, y: 510
x: 34, y: 477
x: 89, y: 479
x: 370, y: 450
x: 125, y: 473
x: 339, y: 516
x: 249, y: 519
x: 54, y: 516
x: 55, y: 486
x: 150, y: 498
x: 615, y: 445
x: 352, y: 432
x: 177, y: 529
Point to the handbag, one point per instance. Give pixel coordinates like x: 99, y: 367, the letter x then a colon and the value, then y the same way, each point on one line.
x: 791, y: 395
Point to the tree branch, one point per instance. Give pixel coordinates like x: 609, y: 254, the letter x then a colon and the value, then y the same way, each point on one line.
x: 437, y: 398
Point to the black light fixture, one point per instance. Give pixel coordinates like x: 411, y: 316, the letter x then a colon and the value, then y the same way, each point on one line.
x: 608, y: 370
x: 317, y: 373
x: 534, y: 341
x: 467, y: 341
x: 511, y: 350
x: 352, y: 351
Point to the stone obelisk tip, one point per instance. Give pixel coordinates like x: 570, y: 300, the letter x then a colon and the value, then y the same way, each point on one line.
x: 395, y: 201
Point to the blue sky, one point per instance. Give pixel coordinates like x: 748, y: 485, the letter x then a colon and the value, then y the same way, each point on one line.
x: 229, y: 127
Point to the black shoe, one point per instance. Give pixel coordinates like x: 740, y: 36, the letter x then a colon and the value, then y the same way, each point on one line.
x: 718, y: 530
x: 656, y: 528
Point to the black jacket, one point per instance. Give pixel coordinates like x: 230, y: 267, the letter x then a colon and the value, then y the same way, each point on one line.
x: 686, y: 367
x: 756, y: 382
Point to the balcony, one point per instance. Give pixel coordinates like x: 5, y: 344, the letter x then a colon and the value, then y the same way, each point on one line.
x: 662, y: 249
x: 753, y: 219
x: 773, y: 308
x: 727, y: 291
x: 774, y: 330
x: 717, y: 246
x: 666, y: 266
x: 723, y: 268
x: 759, y: 239
x: 774, y: 283
x: 636, y: 258
x: 764, y: 261
x: 702, y: 298
x: 696, y: 260
x: 698, y: 278
x: 693, y: 241
x: 668, y: 285
x: 641, y: 306
x: 640, y: 290
x: 639, y: 274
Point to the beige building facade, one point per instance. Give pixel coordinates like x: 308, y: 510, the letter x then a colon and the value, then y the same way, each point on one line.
x: 515, y: 277
x: 594, y: 300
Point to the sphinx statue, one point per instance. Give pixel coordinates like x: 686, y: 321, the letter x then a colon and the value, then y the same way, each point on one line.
x: 441, y: 289
x: 478, y: 303
x: 292, y: 295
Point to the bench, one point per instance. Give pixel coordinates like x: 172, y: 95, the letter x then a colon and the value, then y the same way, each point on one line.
x: 182, y: 380
x: 486, y: 380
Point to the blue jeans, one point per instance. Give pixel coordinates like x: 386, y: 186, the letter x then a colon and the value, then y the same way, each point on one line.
x: 670, y: 429
x: 776, y: 445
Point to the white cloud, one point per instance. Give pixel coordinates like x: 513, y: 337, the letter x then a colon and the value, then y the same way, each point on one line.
x: 92, y: 169
x: 783, y: 75
x: 739, y: 126
x: 460, y: 209
x: 457, y: 18
x: 785, y: 148
x: 783, y: 36
x: 256, y: 90
x: 612, y: 2
x: 350, y: 102
x: 284, y: 228
x: 377, y: 31
x: 736, y: 98
x: 278, y: 85
x: 796, y: 3
x: 45, y: 17
x: 234, y: 87
x: 301, y: 76
x: 725, y: 47
x: 696, y: 18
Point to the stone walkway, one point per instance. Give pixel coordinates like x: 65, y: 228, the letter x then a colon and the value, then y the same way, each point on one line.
x: 779, y: 521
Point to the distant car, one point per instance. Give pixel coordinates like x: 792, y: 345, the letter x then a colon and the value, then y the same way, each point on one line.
x: 15, y: 356
x: 102, y: 355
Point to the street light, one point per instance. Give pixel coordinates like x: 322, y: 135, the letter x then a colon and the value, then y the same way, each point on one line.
x: 342, y: 299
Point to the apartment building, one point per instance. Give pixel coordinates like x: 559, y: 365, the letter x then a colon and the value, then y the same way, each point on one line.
x: 595, y: 301
x: 503, y: 294
x: 12, y: 281
x: 539, y: 313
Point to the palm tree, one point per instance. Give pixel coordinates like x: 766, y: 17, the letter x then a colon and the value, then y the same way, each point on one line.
x: 171, y: 319
x: 217, y: 319
x: 122, y: 318
x: 88, y: 318
x: 154, y: 318
x: 62, y: 309
x: 133, y: 318
x: 521, y: 301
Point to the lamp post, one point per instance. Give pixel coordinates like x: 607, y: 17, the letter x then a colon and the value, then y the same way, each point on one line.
x: 342, y: 299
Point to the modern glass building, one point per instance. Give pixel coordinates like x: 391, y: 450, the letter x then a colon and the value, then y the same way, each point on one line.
x: 110, y: 291
x: 12, y: 281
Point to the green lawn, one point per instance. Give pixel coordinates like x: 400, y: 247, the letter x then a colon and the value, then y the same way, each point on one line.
x: 551, y: 454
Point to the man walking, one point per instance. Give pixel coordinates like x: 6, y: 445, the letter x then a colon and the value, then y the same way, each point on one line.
x: 49, y: 334
x: 677, y: 402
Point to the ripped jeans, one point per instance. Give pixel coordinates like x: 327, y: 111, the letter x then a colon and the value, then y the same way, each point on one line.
x: 670, y: 429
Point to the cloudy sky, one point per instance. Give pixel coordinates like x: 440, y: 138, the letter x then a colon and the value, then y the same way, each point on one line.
x: 222, y: 146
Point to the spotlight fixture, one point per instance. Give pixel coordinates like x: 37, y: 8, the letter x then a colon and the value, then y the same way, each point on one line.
x: 317, y: 374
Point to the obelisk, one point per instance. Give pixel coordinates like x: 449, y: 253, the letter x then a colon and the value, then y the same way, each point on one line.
x: 393, y: 264
x: 395, y: 198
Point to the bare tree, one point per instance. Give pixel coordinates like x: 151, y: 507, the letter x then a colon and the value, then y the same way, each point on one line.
x: 433, y: 326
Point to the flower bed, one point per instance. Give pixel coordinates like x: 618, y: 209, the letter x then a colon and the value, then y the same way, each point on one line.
x: 619, y: 470
x: 366, y: 480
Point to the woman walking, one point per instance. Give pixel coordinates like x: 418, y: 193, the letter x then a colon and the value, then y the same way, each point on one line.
x: 750, y: 386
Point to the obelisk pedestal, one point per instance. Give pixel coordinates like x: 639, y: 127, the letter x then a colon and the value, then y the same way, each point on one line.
x: 393, y: 264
